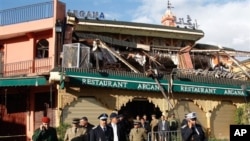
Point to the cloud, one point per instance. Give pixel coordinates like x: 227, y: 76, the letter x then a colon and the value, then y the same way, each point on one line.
x: 224, y: 22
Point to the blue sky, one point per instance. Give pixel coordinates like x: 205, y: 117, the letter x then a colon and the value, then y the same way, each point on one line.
x: 224, y: 22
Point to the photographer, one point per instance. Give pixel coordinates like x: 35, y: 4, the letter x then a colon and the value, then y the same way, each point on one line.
x: 192, y: 131
x: 45, y: 132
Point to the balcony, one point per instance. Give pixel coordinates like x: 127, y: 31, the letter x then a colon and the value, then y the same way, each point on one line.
x: 27, y: 68
x: 26, y: 13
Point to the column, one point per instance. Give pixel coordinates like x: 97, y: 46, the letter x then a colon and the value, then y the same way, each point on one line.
x: 208, y: 115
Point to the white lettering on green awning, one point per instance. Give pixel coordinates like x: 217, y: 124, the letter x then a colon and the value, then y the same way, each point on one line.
x: 198, y: 89
x: 234, y: 92
x: 210, y: 90
x: 105, y: 83
x: 148, y: 87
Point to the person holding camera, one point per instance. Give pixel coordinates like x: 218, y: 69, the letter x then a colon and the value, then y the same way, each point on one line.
x: 45, y: 132
x: 192, y: 131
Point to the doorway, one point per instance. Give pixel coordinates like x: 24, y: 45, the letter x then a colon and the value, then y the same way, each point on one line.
x: 139, y: 106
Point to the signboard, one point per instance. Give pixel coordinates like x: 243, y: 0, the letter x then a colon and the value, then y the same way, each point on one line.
x: 186, y: 23
x: 121, y: 83
x: 87, y: 14
x: 208, y: 89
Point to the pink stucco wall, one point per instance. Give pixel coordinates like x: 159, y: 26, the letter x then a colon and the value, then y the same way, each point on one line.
x: 19, y: 39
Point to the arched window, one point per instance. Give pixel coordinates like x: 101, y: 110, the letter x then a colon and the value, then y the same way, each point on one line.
x: 42, y: 49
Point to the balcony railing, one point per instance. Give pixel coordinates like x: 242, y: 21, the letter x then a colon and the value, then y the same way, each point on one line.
x: 25, y: 68
x: 26, y: 13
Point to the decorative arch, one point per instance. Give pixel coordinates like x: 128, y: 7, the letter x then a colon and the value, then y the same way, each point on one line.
x: 206, y: 105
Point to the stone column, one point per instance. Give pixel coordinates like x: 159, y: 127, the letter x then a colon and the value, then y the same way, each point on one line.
x: 208, y: 115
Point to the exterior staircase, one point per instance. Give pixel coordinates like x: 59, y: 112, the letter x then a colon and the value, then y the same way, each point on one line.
x: 84, y: 106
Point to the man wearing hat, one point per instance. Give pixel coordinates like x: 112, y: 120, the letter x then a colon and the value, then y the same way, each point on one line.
x: 102, y: 132
x: 192, y: 131
x: 137, y: 133
x: 118, y: 130
x: 75, y: 132
x: 45, y: 132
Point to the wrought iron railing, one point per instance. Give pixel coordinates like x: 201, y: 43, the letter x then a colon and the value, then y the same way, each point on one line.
x: 25, y: 68
x: 26, y: 13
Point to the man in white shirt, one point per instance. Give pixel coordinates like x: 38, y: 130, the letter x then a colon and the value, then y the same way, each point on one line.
x: 118, y: 131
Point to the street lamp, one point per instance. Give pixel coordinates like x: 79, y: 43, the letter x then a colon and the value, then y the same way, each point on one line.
x: 59, y: 41
x: 58, y: 26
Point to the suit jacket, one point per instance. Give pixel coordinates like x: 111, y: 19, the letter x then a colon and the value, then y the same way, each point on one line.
x: 71, y: 135
x: 138, y: 134
x: 160, y: 125
x: 146, y: 126
x: 88, y: 128
x: 120, y: 132
x: 97, y: 134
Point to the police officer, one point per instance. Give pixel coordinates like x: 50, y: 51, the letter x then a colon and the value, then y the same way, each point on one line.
x: 102, y: 132
x: 137, y: 133
x: 192, y: 131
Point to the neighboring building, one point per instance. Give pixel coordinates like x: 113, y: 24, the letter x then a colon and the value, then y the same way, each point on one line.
x: 69, y: 66
x: 29, y: 48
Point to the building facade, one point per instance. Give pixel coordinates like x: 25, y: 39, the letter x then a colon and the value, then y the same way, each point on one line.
x: 69, y: 66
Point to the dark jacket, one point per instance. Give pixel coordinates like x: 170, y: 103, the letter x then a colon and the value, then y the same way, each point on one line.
x: 192, y: 134
x: 120, y: 132
x: 48, y: 135
x: 97, y: 134
x: 146, y: 126
x: 88, y: 128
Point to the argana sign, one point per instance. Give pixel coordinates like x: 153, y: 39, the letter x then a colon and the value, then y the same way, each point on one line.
x: 87, y: 14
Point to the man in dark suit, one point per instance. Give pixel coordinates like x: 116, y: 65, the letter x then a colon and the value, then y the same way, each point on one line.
x: 145, y: 125
x: 163, y: 128
x: 86, y: 125
x: 102, y: 132
x: 118, y: 130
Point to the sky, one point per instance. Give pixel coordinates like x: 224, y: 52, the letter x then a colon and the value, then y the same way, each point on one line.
x: 224, y: 22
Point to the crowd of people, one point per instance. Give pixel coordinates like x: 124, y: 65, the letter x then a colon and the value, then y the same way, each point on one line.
x: 116, y: 128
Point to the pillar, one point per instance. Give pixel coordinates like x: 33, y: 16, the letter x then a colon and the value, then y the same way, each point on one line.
x: 30, y: 115
x: 208, y: 115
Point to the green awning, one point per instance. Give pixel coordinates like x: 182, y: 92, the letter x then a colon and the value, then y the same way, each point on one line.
x: 22, y: 81
x: 116, y: 80
x: 204, y: 88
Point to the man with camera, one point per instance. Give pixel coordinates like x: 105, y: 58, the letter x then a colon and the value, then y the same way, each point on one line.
x: 192, y: 131
x: 45, y: 132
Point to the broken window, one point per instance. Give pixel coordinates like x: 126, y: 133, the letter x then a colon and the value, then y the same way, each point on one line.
x: 42, y: 49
